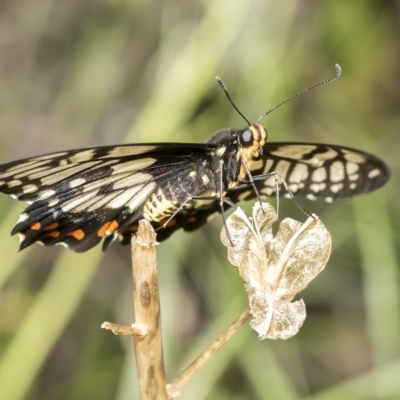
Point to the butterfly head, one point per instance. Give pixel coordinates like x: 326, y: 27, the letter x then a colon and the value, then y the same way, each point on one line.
x: 252, y: 141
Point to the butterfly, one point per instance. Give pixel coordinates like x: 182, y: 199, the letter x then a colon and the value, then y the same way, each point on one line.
x: 77, y: 198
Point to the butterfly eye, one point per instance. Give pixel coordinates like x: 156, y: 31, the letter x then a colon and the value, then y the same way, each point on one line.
x: 246, y: 138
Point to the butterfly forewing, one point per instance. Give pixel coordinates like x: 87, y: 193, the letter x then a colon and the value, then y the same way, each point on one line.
x: 319, y: 171
x: 75, y: 198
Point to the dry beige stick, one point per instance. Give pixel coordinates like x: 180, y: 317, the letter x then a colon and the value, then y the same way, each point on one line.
x: 123, y: 330
x: 148, y: 348
x: 175, y: 387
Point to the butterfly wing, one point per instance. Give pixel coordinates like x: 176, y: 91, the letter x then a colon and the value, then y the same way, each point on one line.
x: 77, y: 197
x: 316, y: 171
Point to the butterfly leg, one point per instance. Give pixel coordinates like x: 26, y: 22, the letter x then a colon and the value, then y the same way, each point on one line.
x: 246, y: 167
x: 276, y: 175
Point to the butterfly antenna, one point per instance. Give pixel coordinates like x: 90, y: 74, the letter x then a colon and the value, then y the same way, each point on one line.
x: 225, y: 89
x: 331, y: 79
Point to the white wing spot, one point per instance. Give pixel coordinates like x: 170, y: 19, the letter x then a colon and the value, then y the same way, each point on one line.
x: 298, y: 152
x: 317, y: 187
x: 53, y: 202
x: 56, y: 174
x: 85, y: 155
x: 336, y: 187
x: 23, y: 217
x: 353, y: 177
x: 295, y: 152
x: 193, y: 174
x: 62, y: 244
x: 122, y: 151
x: 99, y: 201
x: 259, y: 163
x: 311, y: 197
x: 270, y: 182
x: 124, y: 197
x: 373, y: 173
x: 320, y: 158
x: 299, y: 173
x: 23, y: 169
x: 337, y: 171
x: 201, y: 203
x: 77, y: 182
x: 21, y: 237
x: 53, y: 155
x: 134, y: 165
x: 46, y: 194
x: 132, y: 180
x: 19, y: 167
x: 353, y: 157
x: 29, y: 188
x: 92, y: 204
x: 141, y: 197
x: 319, y: 175
x: 14, y: 183
x: 282, y: 168
x: 328, y: 199
x: 294, y: 187
x: 244, y: 195
x: 31, y: 171
x: 268, y: 191
x: 351, y: 168
x: 73, y: 204
x: 353, y: 185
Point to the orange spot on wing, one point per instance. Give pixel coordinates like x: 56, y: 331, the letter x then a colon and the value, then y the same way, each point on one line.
x: 192, y: 219
x: 103, y: 229
x: 35, y: 226
x: 107, y: 228
x: 54, y: 234
x: 133, y: 228
x: 170, y: 223
x: 51, y: 226
x: 78, y: 234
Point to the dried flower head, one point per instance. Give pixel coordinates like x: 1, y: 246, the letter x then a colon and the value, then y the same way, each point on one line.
x: 276, y: 268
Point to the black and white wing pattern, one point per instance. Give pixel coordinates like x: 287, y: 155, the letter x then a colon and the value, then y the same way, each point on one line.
x: 76, y: 198
x: 318, y: 171
x: 312, y: 170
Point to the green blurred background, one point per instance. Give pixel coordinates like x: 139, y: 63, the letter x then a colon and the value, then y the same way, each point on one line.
x: 84, y: 73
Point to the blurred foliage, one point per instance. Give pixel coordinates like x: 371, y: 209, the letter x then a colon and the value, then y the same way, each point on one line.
x: 86, y: 73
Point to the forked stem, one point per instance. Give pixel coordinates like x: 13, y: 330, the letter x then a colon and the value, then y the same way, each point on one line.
x: 175, y: 387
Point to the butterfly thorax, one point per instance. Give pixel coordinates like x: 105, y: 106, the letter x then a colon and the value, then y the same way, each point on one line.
x: 210, y: 175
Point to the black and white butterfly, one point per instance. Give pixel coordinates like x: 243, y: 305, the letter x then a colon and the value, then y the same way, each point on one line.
x: 78, y: 197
